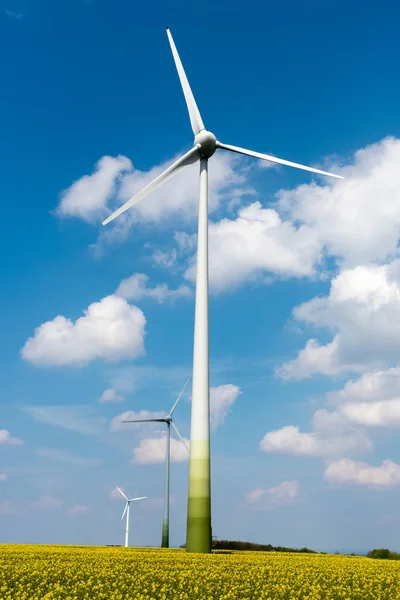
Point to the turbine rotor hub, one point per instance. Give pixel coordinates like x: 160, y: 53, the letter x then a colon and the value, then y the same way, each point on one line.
x: 206, y: 142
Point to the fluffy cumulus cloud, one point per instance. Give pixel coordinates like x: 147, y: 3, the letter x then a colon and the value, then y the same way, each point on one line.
x: 332, y: 436
x: 363, y: 311
x: 115, y: 180
x: 7, y: 438
x: 110, y: 329
x: 87, y: 198
x: 136, y: 288
x: 222, y: 399
x: 354, y: 220
x: 152, y: 450
x: 346, y: 471
x: 371, y: 386
x: 255, y: 495
x: 372, y: 400
x: 283, y: 493
x: 116, y: 494
x: 357, y: 219
x: 255, y: 244
x: 111, y: 395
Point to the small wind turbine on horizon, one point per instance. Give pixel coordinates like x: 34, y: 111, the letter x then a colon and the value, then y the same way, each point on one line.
x: 198, y: 532
x: 168, y: 420
x: 127, y: 512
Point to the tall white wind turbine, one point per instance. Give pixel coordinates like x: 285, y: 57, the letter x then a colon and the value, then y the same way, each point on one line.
x: 198, y: 532
x: 168, y: 420
x: 127, y: 510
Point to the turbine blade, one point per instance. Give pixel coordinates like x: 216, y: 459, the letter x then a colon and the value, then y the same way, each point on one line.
x: 274, y: 159
x: 140, y: 498
x: 125, y: 509
x: 194, y: 114
x: 178, y: 398
x: 121, y: 492
x: 184, y: 161
x: 174, y: 427
x: 144, y: 421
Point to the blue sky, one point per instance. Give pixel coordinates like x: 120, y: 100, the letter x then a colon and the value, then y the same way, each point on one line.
x: 304, y: 272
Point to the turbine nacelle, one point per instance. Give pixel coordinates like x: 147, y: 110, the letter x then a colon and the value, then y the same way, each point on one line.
x: 206, y: 142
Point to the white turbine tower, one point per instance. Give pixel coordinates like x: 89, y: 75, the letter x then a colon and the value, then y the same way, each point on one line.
x: 168, y: 420
x: 198, y: 533
x: 127, y: 511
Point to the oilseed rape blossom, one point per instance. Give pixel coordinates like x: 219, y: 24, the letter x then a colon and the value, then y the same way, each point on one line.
x: 30, y: 572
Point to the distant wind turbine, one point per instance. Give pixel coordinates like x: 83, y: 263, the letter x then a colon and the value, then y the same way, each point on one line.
x: 127, y: 511
x: 198, y: 532
x: 168, y: 420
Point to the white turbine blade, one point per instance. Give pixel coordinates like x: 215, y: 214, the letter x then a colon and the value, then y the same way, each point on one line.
x: 144, y: 421
x: 125, y: 509
x: 194, y: 114
x: 121, y: 492
x: 274, y: 159
x: 140, y: 498
x: 184, y: 161
x: 174, y: 427
x: 178, y: 398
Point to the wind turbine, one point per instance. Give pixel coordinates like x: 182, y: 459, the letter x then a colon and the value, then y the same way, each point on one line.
x: 168, y: 420
x: 198, y: 532
x: 127, y: 511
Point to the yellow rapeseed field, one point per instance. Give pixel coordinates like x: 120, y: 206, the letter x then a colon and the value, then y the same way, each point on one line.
x: 86, y: 573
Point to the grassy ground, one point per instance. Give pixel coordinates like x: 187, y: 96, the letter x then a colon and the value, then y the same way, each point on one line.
x: 82, y: 573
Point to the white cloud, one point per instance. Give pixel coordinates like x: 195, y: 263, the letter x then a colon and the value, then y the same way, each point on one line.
x: 117, y: 423
x: 110, y: 329
x: 385, y: 413
x: 256, y: 243
x: 3, y: 477
x: 283, y: 493
x: 78, y: 509
x: 46, y: 501
x: 357, y: 219
x: 363, y: 309
x: 67, y: 457
x: 371, y: 386
x: 373, y: 400
x: 6, y: 438
x: 255, y: 495
x: 287, y: 491
x: 179, y: 196
x: 111, y: 395
x: 87, y: 198
x: 222, y: 399
x: 152, y: 450
x: 136, y: 288
x: 346, y: 471
x: 115, y: 180
x: 290, y: 440
x: 115, y: 494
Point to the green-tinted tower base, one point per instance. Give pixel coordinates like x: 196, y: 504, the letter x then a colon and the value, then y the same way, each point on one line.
x: 165, y: 534
x: 198, y: 533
